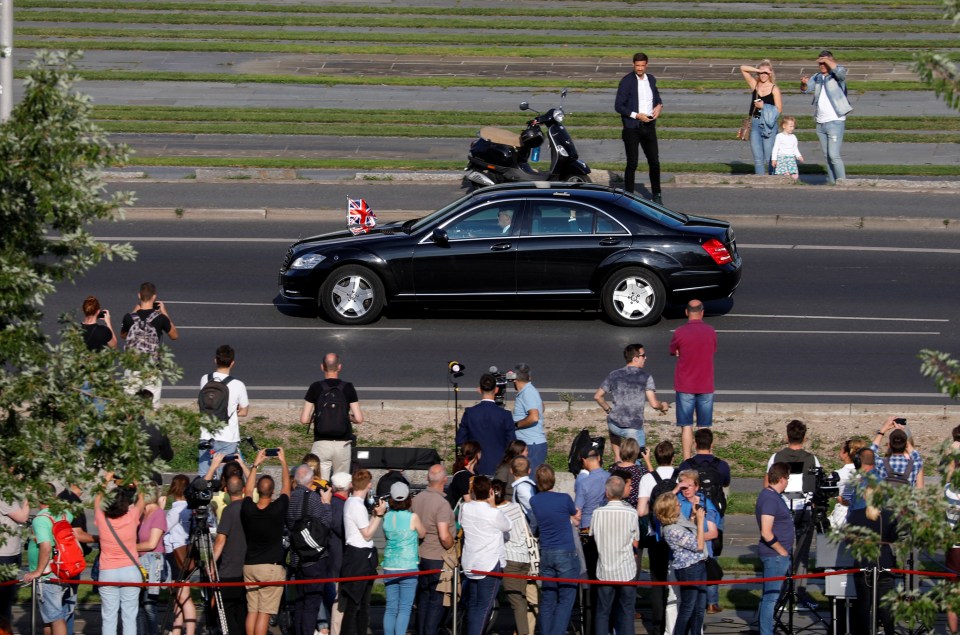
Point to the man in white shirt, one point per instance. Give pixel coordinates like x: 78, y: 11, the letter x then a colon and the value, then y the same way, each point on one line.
x: 485, y: 530
x: 615, y: 530
x: 638, y: 103
x: 359, y: 555
x: 226, y: 440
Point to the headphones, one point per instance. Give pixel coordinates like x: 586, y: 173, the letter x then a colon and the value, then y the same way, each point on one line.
x: 855, y: 458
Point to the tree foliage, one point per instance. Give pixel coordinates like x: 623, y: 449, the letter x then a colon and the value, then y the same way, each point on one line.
x: 939, y: 70
x: 51, y: 429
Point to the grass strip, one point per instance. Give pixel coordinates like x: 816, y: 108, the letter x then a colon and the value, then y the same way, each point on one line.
x: 713, y: 23
x: 736, y: 168
x: 890, y: 5
x: 526, y: 40
x: 477, y: 51
x: 556, y: 13
x: 466, y: 132
x: 448, y: 82
x: 580, y: 120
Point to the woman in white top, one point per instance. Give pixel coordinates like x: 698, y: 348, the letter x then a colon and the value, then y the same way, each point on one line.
x: 176, y: 543
x: 485, y: 531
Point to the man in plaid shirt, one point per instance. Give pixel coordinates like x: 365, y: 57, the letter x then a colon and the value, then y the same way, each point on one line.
x: 901, y: 457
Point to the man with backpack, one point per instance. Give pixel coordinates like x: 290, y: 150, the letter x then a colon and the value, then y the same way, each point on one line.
x: 663, y: 480
x: 901, y: 464
x: 222, y: 397
x: 52, y: 554
x: 714, y: 474
x: 142, y: 331
x: 332, y: 406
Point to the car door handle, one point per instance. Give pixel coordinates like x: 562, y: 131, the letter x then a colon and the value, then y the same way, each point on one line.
x: 500, y: 247
x: 607, y: 242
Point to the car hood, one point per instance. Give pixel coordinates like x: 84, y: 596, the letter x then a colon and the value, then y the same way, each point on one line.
x: 344, y: 236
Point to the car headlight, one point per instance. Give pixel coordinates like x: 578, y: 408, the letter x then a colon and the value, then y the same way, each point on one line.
x: 307, y: 261
x: 558, y: 116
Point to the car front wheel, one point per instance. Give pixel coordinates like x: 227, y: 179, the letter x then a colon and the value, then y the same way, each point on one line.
x: 352, y: 295
x: 633, y: 297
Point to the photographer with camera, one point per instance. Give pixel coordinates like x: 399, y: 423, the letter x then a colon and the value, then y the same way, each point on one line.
x: 95, y: 335
x: 306, y: 503
x: 487, y: 424
x: 229, y: 551
x: 142, y: 331
x: 359, y: 554
x: 901, y: 464
x: 263, y: 524
x: 798, y: 492
x: 117, y: 525
x: 528, y: 415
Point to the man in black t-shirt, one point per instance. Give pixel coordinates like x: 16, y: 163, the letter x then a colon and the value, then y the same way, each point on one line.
x: 142, y: 330
x: 332, y: 449
x: 230, y: 551
x: 263, y: 523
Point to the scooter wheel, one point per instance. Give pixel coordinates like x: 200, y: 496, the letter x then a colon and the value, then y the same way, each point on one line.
x: 578, y: 178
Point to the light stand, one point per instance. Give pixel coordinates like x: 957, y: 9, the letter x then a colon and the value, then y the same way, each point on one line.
x: 455, y: 370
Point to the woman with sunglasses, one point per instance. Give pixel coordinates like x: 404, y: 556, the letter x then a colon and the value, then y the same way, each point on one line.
x: 766, y: 105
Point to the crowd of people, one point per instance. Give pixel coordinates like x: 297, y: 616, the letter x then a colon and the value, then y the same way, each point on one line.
x: 639, y: 104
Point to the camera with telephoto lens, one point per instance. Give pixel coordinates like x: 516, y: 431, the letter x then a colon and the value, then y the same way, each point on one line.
x: 827, y: 487
x: 198, y: 493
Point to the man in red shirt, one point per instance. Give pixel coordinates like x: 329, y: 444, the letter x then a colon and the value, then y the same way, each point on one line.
x: 694, y: 344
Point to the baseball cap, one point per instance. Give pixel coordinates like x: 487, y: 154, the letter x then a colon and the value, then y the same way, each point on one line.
x: 399, y: 491
x: 341, y: 480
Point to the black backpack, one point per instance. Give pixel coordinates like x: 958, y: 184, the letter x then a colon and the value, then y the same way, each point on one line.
x: 711, y: 484
x: 331, y: 418
x: 663, y: 486
x: 309, y: 537
x: 582, y: 441
x: 214, y: 398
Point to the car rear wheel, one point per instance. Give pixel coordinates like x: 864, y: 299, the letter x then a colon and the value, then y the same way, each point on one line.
x: 633, y: 297
x: 352, y: 295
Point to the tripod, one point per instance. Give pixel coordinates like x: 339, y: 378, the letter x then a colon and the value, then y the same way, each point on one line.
x: 787, y: 601
x: 200, y: 558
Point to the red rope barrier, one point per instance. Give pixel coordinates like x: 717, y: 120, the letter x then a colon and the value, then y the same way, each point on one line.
x: 202, y: 585
x: 929, y: 574
x: 652, y: 583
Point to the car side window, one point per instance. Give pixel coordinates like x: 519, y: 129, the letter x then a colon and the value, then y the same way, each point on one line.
x: 486, y: 222
x: 558, y: 218
x: 606, y: 225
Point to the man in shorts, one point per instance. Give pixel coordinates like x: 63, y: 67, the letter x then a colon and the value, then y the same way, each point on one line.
x: 694, y: 344
x: 629, y: 388
x: 56, y: 600
x: 263, y: 523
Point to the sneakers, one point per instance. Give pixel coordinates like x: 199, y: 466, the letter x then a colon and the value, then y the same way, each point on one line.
x: 658, y: 199
x: 713, y: 609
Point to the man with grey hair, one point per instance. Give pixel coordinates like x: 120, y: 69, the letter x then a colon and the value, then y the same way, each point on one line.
x: 304, y: 503
x: 528, y: 415
x: 616, y: 532
x: 331, y: 405
x: 437, y: 518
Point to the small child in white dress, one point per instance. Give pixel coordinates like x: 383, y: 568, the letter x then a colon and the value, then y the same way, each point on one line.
x: 786, y: 151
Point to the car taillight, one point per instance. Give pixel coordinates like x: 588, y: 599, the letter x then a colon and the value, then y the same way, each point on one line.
x: 718, y: 251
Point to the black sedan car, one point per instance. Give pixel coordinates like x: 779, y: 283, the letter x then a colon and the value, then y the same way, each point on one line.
x: 527, y: 244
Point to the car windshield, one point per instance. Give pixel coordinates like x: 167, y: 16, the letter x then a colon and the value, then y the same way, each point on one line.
x: 429, y: 219
x: 653, y: 211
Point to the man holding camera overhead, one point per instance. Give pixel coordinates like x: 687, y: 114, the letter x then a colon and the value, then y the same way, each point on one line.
x: 142, y: 331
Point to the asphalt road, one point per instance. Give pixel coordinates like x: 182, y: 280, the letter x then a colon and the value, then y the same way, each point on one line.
x: 833, y: 316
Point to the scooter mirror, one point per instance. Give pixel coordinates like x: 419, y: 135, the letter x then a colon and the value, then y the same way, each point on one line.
x: 524, y: 105
x: 563, y: 93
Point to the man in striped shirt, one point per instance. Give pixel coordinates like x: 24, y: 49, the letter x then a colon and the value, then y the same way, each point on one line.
x: 616, y: 530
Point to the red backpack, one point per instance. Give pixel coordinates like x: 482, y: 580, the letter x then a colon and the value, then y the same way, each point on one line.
x: 66, y: 561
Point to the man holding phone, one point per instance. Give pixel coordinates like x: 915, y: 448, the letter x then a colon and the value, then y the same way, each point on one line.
x: 142, y: 331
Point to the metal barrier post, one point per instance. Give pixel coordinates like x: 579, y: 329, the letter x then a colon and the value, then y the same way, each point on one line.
x: 33, y: 606
x: 454, y: 601
x: 873, y: 612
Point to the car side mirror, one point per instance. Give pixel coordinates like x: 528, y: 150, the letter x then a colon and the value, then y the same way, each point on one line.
x: 440, y: 237
x: 524, y: 105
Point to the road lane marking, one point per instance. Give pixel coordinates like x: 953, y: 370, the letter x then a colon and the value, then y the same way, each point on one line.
x: 298, y: 328
x: 196, y: 239
x: 834, y: 317
x: 918, y: 250
x: 789, y: 332
x: 757, y: 393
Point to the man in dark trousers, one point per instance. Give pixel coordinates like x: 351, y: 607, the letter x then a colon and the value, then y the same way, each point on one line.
x: 639, y: 105
x: 489, y: 425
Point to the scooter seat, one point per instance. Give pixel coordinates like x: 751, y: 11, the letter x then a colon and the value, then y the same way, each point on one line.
x: 499, y: 135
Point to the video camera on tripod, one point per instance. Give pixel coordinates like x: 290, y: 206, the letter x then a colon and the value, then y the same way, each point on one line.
x: 827, y: 488
x: 502, y: 379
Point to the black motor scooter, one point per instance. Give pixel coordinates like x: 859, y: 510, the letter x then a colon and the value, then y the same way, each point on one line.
x: 501, y: 156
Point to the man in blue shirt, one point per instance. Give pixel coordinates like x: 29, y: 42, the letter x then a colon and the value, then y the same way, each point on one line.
x: 590, y: 491
x: 528, y: 415
x: 489, y: 425
x: 777, y: 535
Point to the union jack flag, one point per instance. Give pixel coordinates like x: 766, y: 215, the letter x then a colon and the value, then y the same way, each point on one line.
x: 360, y: 218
